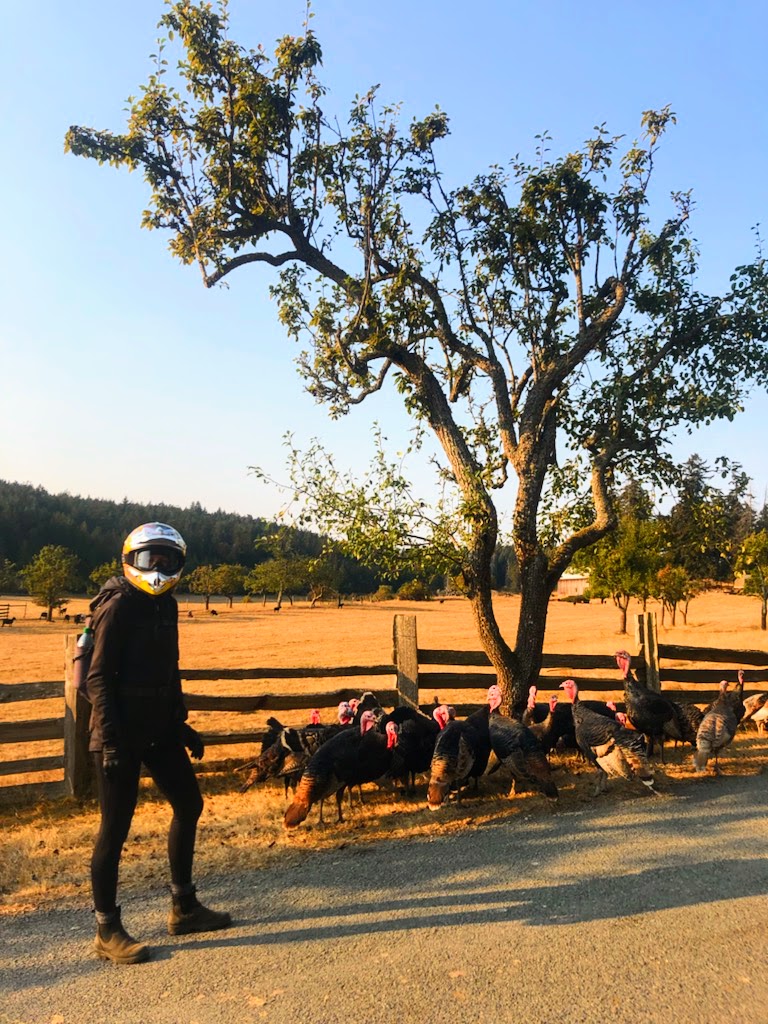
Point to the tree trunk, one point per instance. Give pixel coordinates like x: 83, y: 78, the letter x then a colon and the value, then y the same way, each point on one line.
x: 622, y: 603
x: 207, y: 601
x: 535, y: 593
x: 495, y: 646
x: 764, y: 611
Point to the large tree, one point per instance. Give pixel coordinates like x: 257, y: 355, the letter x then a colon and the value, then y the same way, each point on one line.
x: 538, y: 320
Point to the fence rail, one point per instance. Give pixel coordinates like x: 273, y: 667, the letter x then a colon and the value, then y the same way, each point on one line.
x: 413, y: 683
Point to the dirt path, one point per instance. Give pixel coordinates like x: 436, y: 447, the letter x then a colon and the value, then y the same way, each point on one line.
x: 647, y: 910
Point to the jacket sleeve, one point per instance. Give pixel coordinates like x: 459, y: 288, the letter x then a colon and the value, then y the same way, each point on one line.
x: 101, y: 683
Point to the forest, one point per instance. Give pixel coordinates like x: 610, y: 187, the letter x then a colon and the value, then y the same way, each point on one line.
x: 94, y: 529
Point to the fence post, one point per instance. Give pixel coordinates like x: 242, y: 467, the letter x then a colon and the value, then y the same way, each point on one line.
x: 647, y: 640
x: 77, y: 711
x: 406, y: 660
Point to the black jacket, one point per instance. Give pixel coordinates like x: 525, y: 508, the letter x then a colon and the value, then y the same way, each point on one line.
x: 133, y: 683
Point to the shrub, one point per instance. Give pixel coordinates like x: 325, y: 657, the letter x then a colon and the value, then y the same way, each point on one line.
x: 414, y: 591
x: 384, y: 593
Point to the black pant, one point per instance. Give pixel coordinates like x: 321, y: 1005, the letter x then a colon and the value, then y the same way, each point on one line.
x: 170, y: 767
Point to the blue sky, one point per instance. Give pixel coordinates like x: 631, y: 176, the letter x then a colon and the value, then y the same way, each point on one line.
x: 122, y: 376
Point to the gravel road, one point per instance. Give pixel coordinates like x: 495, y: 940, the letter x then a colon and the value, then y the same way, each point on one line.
x: 645, y: 910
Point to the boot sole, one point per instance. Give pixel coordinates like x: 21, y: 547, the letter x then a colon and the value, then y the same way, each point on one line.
x: 187, y: 929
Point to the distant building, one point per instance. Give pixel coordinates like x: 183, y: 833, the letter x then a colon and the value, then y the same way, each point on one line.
x: 572, y: 584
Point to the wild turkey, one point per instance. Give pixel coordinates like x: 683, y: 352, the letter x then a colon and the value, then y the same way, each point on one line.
x: 518, y: 749
x: 462, y: 749
x: 717, y: 729
x: 542, y: 729
x: 685, y: 722
x: 351, y: 758
x: 291, y: 748
x: 563, y: 735
x: 647, y: 710
x: 415, y: 743
x: 534, y: 712
x: 753, y: 704
x: 270, y: 761
x: 555, y: 730
x: 606, y: 744
x: 736, y: 697
x: 760, y: 717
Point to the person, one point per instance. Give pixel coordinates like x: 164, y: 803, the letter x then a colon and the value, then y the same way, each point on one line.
x: 138, y: 717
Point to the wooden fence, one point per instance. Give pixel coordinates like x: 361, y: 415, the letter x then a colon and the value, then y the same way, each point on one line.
x: 415, y: 677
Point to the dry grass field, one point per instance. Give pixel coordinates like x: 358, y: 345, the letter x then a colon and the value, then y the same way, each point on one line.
x: 45, y: 847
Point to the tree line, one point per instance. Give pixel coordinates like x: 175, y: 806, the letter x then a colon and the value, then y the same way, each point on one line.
x: 52, y: 545
x: 709, y: 536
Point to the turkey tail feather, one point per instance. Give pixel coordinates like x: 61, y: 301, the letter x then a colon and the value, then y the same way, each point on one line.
x: 302, y: 803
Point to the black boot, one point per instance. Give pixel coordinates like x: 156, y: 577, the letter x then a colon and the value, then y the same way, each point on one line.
x: 113, y: 942
x: 189, y: 915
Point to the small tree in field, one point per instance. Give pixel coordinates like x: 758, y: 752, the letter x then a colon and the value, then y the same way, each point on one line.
x: 283, y: 572
x: 203, y: 580
x: 539, y: 321
x: 50, y: 575
x: 280, y: 575
x: 229, y: 580
x: 104, y: 572
x: 623, y: 564
x: 673, y: 586
x: 753, y: 562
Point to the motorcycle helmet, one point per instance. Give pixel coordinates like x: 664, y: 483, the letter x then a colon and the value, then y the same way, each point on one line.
x: 153, y: 558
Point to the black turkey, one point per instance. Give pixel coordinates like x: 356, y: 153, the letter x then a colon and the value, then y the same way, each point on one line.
x: 518, y: 749
x: 355, y: 756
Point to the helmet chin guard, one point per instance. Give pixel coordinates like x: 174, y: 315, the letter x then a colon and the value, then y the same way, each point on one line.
x: 153, y: 558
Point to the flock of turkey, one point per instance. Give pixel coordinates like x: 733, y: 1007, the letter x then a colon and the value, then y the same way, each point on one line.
x: 369, y: 744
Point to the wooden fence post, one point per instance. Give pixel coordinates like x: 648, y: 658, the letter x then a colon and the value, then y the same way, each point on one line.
x: 647, y: 640
x: 78, y: 781
x: 406, y: 660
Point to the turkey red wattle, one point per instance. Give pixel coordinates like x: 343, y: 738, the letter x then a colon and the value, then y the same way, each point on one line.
x: 624, y: 661
x: 392, y: 732
x: 494, y: 697
x: 441, y: 715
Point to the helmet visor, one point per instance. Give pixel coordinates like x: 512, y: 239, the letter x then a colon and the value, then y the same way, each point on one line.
x: 157, y: 558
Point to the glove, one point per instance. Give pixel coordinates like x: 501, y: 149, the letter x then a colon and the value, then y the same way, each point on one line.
x: 110, y: 759
x: 192, y: 741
